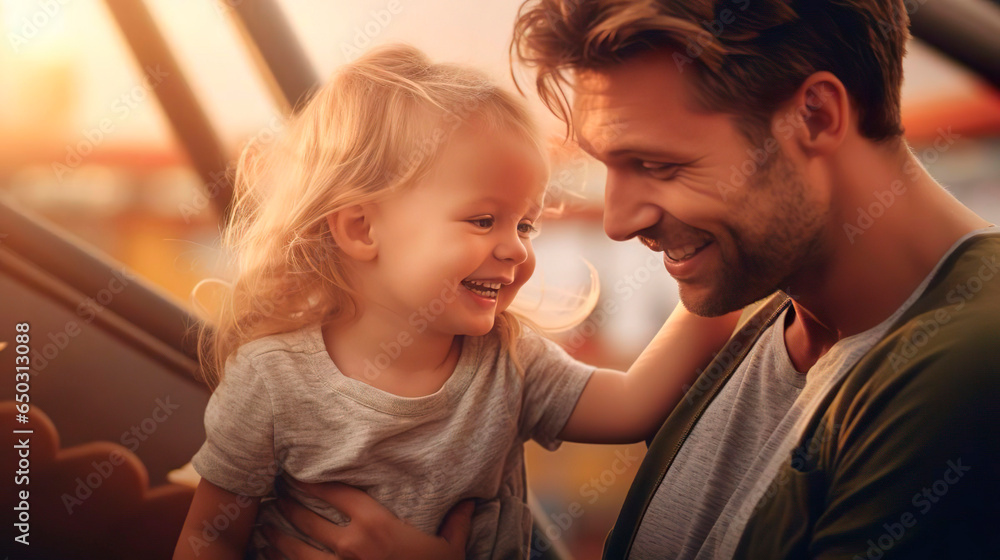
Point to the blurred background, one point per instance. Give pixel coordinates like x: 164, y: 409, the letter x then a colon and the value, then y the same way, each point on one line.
x: 87, y: 146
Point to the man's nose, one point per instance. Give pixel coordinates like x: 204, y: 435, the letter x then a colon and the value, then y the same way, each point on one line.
x: 626, y: 210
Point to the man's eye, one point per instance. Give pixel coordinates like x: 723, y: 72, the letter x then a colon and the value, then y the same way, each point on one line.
x: 658, y: 170
x: 484, y: 222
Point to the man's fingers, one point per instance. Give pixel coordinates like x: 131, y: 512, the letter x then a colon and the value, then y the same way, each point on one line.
x: 310, y: 524
x: 457, y: 524
x: 346, y: 499
x: 282, y: 546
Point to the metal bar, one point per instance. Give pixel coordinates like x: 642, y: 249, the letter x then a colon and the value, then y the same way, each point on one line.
x: 276, y: 52
x: 41, y: 256
x: 968, y: 31
x: 184, y: 113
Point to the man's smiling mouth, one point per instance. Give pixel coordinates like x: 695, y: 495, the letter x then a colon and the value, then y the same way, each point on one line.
x: 676, y: 253
x: 681, y: 254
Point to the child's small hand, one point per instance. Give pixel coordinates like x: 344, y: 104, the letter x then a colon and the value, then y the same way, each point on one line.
x: 373, y: 533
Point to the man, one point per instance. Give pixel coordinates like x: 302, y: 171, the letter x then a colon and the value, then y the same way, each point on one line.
x: 758, y: 145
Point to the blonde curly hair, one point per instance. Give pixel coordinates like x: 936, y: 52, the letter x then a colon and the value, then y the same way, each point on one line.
x: 372, y: 130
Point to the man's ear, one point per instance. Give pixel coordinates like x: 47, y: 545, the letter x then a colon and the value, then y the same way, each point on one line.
x: 822, y: 113
x: 352, y: 231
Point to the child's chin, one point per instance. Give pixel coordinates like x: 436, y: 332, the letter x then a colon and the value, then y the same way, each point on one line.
x: 479, y: 329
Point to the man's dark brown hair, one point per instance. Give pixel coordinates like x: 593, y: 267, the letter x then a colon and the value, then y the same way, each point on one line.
x: 747, y: 56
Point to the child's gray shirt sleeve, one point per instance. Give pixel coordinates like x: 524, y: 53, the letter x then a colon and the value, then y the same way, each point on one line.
x: 238, y: 453
x: 553, y: 383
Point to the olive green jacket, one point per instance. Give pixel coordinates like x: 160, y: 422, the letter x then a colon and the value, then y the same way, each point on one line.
x: 902, y: 458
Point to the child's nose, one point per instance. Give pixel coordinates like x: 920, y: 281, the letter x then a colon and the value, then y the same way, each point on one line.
x: 511, y: 247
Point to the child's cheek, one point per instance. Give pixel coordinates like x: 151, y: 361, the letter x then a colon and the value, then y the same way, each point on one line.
x: 524, y: 270
x: 507, y: 295
x: 522, y: 273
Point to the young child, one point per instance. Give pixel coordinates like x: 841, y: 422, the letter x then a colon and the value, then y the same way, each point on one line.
x: 368, y: 336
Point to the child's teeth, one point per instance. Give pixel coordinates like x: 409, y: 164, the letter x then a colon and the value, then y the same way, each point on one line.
x: 486, y: 289
x: 488, y: 285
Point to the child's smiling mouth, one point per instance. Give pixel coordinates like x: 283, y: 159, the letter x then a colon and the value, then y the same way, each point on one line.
x: 483, y: 288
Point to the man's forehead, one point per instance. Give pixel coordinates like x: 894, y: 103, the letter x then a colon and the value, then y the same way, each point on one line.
x: 601, y: 111
x: 614, y: 102
x: 605, y: 124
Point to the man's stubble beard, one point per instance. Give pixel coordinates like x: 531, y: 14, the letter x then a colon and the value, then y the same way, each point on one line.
x: 779, y: 235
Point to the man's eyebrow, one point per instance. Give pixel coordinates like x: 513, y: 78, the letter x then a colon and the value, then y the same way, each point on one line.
x: 629, y: 148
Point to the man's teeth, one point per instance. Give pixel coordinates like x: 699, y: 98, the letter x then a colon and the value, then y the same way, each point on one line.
x: 682, y: 253
x: 485, y: 289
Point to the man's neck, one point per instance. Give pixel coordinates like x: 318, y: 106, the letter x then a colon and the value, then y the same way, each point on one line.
x: 890, y: 225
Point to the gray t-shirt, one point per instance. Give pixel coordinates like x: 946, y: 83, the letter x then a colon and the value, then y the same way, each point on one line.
x: 733, y: 454
x: 736, y: 429
x: 283, y: 405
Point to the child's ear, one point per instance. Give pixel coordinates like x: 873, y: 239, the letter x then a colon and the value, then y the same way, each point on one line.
x: 352, y: 231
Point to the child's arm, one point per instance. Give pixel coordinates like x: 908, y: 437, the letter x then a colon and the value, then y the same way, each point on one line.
x: 197, y: 541
x: 625, y: 407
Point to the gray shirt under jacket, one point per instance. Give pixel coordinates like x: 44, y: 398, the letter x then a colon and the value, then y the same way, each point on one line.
x: 728, y: 464
x: 283, y: 409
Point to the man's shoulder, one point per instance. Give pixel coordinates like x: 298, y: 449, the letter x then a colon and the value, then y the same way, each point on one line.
x: 969, y: 279
x: 959, y: 312
x: 948, y: 361
x: 946, y: 347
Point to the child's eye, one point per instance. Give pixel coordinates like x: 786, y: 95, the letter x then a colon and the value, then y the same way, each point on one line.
x: 527, y: 229
x: 485, y: 222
